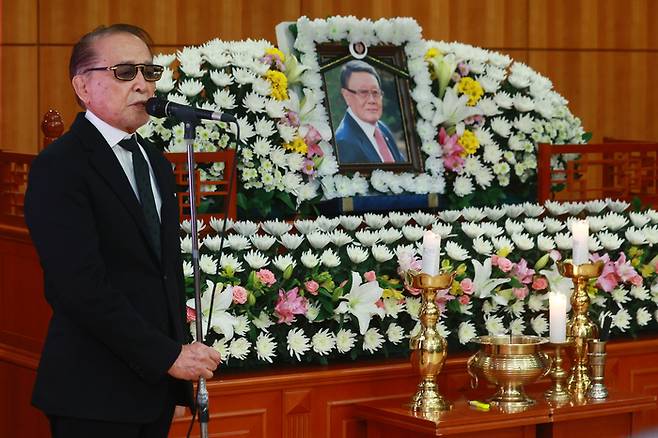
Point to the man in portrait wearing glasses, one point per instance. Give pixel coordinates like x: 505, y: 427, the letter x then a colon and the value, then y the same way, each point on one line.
x: 361, y: 137
x: 102, y: 213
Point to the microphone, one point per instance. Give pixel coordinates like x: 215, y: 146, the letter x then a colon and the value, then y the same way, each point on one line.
x: 164, y: 108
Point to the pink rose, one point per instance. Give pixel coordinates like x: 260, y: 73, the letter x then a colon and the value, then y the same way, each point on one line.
x: 191, y: 314
x: 505, y: 264
x: 467, y: 286
x: 266, y: 277
x: 312, y: 287
x: 636, y: 280
x: 370, y: 276
x: 520, y: 292
x: 464, y: 300
x: 239, y: 295
x: 539, y: 283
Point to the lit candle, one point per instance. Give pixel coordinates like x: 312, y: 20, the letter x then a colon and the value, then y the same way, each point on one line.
x: 431, y: 248
x: 580, y: 233
x: 557, y: 309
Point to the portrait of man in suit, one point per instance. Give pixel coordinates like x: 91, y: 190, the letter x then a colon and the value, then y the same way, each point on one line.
x: 361, y: 136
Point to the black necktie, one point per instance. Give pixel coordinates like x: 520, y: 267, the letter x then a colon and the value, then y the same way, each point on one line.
x: 143, y: 180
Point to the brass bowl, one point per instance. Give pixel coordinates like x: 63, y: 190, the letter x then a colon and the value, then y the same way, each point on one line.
x: 509, y: 362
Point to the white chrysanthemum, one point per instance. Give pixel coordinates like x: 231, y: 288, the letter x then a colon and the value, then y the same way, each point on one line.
x: 466, y: 332
x: 397, y: 219
x: 620, y: 295
x: 246, y: 228
x: 263, y: 242
x: 208, y: 264
x: 537, y: 302
x: 450, y: 216
x: 523, y: 241
x: 639, y: 219
x: 545, y: 243
x: 224, y: 100
x: 643, y: 316
x: 254, y: 103
x: 442, y: 329
x: 463, y: 186
x: 610, y: 241
x: 442, y: 229
x: 318, y: 240
x: 188, y: 270
x: 564, y: 241
x: 553, y: 225
x: 491, y: 229
x: 390, y: 235
x: 533, y: 226
x: 256, y: 260
x: 221, y: 78
x: 367, y: 237
x: 330, y: 259
x: 413, y: 307
x: 323, y: 342
x: 262, y: 321
x: 617, y: 206
x: 345, y: 340
x: 482, y: 246
x: 556, y: 208
x: 305, y: 226
x: 186, y: 245
x: 621, y: 320
x: 239, y: 348
x: 350, y: 223
x: 501, y: 126
x: 297, y: 343
x: 375, y: 221
x: 357, y: 254
x: 472, y: 230
x: 494, y: 325
x: 615, y: 221
x: 190, y: 87
x: 517, y: 326
x: 640, y: 292
x: 372, y: 340
x: 230, y: 263
x: 276, y: 227
x: 238, y: 242
x: 186, y: 226
x: 395, y: 333
x: 309, y: 259
x: 381, y: 253
x: 283, y: 261
x: 635, y: 236
x: 455, y: 251
x: 392, y: 307
x: 220, y: 346
x: 502, y: 243
x: 265, y: 347
x: 539, y: 325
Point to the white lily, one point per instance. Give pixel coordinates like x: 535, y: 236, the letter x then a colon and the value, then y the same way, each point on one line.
x: 483, y: 284
x: 222, y: 321
x: 360, y: 301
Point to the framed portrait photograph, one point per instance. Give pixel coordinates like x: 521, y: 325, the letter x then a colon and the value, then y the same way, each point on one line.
x: 369, y: 106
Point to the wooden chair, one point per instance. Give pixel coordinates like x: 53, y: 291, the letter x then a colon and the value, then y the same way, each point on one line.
x: 616, y: 170
x: 14, y: 168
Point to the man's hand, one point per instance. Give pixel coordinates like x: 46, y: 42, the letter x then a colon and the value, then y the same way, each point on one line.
x: 194, y: 361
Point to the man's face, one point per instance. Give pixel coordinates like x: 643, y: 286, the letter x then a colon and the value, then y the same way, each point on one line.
x: 118, y: 103
x: 368, y: 107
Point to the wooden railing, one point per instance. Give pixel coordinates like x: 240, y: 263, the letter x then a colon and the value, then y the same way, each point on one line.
x: 616, y: 170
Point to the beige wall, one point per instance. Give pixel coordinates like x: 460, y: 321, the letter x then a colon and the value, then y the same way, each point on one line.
x: 602, y: 55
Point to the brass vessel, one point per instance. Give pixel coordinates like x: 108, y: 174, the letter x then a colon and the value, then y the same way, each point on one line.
x: 580, y: 327
x: 509, y: 362
x: 428, y: 348
x: 558, y: 394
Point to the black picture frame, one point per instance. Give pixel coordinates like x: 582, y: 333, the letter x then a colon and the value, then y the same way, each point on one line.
x: 390, y: 62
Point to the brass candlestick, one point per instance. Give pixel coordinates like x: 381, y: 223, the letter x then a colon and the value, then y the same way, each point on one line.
x: 597, y: 390
x: 558, y: 394
x: 580, y: 327
x: 429, y: 349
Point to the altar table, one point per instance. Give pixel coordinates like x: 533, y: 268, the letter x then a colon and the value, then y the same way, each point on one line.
x: 611, y: 418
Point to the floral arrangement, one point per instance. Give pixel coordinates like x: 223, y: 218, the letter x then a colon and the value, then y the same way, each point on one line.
x: 282, y: 149
x: 334, y: 288
x: 491, y: 113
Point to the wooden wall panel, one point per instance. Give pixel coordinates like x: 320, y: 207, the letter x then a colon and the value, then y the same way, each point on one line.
x: 19, y: 22
x: 593, y: 24
x: 19, y: 115
x: 609, y: 90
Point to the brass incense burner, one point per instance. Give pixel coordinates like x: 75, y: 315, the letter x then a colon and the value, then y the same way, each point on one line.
x: 509, y: 362
x: 580, y: 327
x: 428, y: 348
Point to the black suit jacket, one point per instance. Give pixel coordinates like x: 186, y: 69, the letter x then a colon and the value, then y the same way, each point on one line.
x: 118, y: 308
x: 354, y: 146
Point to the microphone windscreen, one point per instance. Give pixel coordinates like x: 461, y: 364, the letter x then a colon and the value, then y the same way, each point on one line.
x: 156, y: 107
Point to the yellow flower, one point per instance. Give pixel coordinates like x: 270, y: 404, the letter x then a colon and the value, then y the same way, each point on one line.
x: 635, y: 262
x: 461, y: 269
x: 279, y: 84
x: 647, y: 270
x: 635, y: 251
x: 392, y: 293
x: 276, y: 52
x: 504, y: 251
x: 471, y: 88
x: 431, y: 53
x: 469, y: 142
x: 297, y: 145
x: 455, y: 288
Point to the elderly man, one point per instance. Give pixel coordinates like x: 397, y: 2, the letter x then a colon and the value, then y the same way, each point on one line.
x: 102, y: 213
x: 361, y: 136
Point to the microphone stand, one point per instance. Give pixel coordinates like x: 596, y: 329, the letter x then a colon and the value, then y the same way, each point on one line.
x: 202, y: 391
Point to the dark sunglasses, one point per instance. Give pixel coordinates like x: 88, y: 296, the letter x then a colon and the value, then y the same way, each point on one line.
x: 128, y: 72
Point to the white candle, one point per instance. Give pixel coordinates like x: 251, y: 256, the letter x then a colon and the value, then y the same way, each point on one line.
x: 557, y: 309
x: 580, y: 233
x: 431, y: 249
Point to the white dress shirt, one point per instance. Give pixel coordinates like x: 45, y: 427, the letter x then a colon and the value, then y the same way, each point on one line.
x: 113, y: 136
